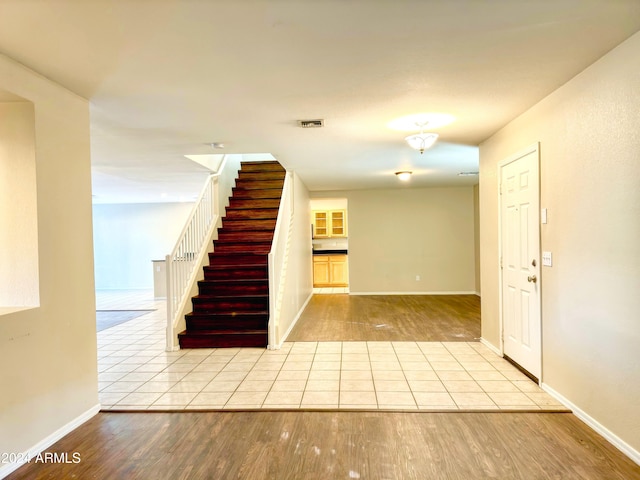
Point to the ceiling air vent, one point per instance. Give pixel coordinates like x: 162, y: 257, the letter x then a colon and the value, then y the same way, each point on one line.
x: 311, y: 123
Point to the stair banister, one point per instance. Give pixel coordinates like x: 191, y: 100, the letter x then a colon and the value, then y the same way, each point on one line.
x: 277, y: 259
x: 191, y: 245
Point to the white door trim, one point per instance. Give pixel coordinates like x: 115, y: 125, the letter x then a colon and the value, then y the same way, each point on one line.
x: 533, y: 148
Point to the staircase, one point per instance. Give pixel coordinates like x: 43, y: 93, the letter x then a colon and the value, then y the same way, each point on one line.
x: 232, y: 305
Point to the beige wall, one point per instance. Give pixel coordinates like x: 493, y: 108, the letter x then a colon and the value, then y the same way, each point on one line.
x: 396, y: 235
x: 476, y: 235
x: 48, y: 366
x: 589, y: 134
x: 18, y: 207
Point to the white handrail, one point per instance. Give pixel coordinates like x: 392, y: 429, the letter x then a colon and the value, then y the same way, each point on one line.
x: 181, y: 263
x: 277, y: 258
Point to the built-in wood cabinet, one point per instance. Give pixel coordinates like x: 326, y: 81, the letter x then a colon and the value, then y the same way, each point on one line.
x: 330, y: 271
x: 332, y: 223
x: 320, y: 224
x: 338, y: 225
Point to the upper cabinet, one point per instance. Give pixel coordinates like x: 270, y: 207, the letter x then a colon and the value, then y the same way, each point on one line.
x: 338, y: 223
x: 332, y: 223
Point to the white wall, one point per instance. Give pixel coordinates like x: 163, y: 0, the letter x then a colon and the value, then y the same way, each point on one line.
x: 127, y: 237
x: 589, y: 134
x: 48, y: 366
x: 299, y: 280
x: 396, y: 235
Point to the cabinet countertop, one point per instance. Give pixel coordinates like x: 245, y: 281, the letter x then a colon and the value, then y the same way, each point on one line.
x: 330, y: 252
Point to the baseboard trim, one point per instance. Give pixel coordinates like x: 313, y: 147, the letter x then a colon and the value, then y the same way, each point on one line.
x: 45, y: 443
x: 490, y: 346
x: 414, y: 293
x: 293, y: 324
x: 611, y: 437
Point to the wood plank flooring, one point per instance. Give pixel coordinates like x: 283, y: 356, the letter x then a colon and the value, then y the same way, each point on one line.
x: 422, y: 318
x: 335, y: 445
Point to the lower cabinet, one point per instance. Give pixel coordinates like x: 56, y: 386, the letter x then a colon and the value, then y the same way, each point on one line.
x: 330, y: 271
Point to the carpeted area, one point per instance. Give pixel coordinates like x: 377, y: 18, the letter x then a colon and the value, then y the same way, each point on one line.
x: 110, y: 318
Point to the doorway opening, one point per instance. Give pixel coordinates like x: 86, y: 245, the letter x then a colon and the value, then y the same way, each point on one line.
x: 330, y: 245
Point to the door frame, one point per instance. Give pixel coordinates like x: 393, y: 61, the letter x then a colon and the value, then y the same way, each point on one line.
x: 533, y: 148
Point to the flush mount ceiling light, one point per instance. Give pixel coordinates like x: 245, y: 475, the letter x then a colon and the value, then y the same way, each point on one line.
x: 404, y: 175
x: 421, y: 141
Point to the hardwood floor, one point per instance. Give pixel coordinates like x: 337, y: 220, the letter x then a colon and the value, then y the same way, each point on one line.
x: 426, y: 318
x: 334, y: 445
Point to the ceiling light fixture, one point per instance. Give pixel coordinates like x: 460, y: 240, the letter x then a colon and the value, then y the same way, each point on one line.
x: 404, y: 175
x: 421, y: 141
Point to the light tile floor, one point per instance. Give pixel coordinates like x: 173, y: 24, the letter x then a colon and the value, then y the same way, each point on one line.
x: 136, y: 373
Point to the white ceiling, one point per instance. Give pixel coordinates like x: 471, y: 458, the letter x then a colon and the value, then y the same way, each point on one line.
x: 167, y: 77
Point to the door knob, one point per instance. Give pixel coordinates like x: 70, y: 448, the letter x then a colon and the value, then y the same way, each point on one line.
x: 532, y: 279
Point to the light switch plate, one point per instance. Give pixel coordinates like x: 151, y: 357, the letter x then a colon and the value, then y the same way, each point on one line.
x: 547, y: 259
x: 543, y: 216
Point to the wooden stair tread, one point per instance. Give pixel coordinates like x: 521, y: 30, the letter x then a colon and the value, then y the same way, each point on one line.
x: 222, y: 332
x: 252, y: 313
x: 224, y: 297
x: 236, y: 281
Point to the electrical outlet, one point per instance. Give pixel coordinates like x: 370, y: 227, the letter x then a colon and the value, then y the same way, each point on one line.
x: 417, y: 278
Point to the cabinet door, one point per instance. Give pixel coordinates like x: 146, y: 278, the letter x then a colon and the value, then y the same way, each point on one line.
x: 320, y: 224
x: 338, y: 271
x: 338, y: 223
x: 321, y: 271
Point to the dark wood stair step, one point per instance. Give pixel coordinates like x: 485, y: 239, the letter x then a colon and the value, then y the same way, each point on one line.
x: 230, y: 304
x: 223, y: 338
x: 257, y: 193
x: 249, y: 235
x: 261, y: 166
x: 260, y: 175
x: 236, y: 272
x: 241, y: 224
x: 223, y: 321
x: 226, y: 234
x: 234, y: 287
x: 251, y: 213
x: 258, y: 247
x: 239, y: 203
x: 237, y: 258
x: 259, y: 184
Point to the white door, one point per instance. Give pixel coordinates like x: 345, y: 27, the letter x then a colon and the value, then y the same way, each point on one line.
x: 520, y: 260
